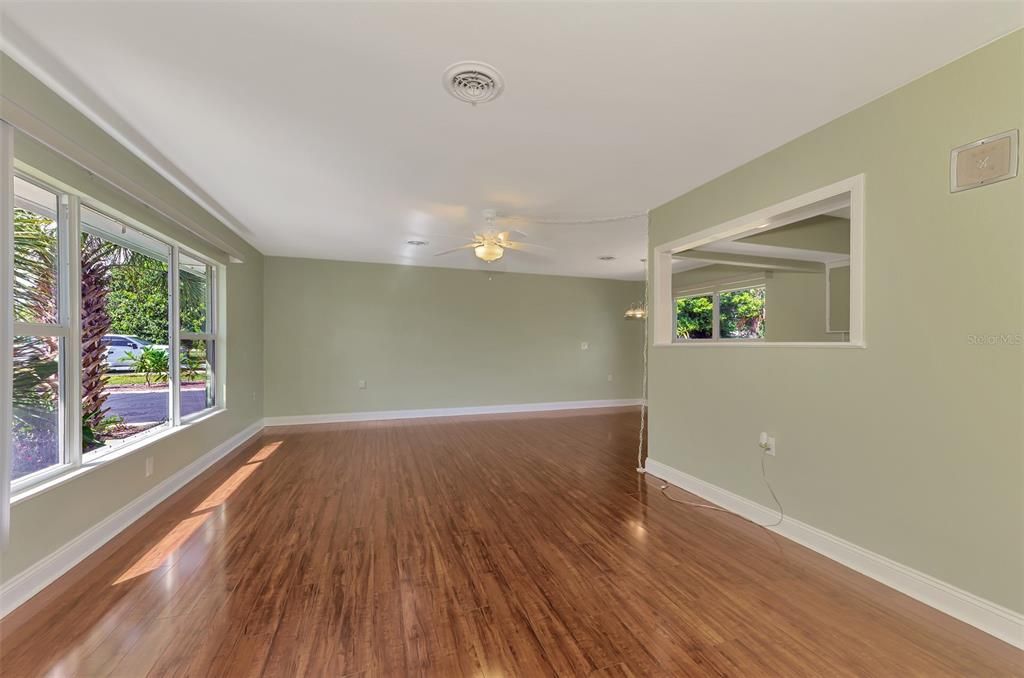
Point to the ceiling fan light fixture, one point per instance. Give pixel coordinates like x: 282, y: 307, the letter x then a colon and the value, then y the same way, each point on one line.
x: 489, y: 251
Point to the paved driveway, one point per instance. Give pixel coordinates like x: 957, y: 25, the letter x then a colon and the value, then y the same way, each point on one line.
x: 140, y: 407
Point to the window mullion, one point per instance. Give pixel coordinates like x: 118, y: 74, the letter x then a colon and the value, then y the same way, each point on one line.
x: 174, y: 357
x: 212, y: 345
x: 716, y: 317
x: 212, y: 321
x: 71, y: 299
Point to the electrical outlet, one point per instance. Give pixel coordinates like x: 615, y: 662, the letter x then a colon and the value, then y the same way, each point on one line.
x: 362, y: 384
x: 584, y: 346
x: 767, y: 443
x: 254, y: 396
x: 609, y: 377
x: 149, y: 466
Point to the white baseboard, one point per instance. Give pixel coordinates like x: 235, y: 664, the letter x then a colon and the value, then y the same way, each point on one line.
x: 991, y: 618
x: 445, y: 412
x: 26, y: 584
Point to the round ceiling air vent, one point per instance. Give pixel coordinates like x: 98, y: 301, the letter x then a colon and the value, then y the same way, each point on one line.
x: 473, y: 82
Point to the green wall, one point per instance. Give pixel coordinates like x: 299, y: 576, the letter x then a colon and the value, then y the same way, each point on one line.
x: 795, y: 307
x: 839, y: 298
x: 436, y: 337
x: 696, y: 279
x: 912, y: 447
x: 44, y: 522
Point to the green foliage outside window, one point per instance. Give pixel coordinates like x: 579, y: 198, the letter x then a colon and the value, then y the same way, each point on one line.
x: 35, y: 267
x: 694, y: 317
x: 741, y: 315
x: 150, y: 362
x: 137, y: 300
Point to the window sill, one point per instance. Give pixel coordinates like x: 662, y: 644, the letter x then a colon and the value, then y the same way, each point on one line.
x: 740, y: 343
x: 50, y: 482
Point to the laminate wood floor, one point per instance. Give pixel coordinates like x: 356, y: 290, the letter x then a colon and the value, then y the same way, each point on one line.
x: 513, y: 545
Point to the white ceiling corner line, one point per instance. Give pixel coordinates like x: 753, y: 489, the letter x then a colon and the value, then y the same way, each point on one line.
x: 38, y: 62
x: 23, y: 120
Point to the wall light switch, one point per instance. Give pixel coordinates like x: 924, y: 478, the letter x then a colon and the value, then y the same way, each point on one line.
x: 584, y: 346
x: 609, y: 377
x: 362, y: 384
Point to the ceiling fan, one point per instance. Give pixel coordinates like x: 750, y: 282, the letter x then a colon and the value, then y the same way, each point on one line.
x: 490, y: 245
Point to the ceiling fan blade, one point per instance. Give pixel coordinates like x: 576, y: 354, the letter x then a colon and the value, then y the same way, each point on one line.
x: 526, y: 247
x: 456, y: 249
x: 508, y: 236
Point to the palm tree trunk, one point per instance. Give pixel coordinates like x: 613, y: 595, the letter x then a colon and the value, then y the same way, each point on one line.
x: 96, y: 263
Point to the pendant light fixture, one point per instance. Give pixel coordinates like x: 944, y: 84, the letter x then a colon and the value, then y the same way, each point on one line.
x: 636, y: 311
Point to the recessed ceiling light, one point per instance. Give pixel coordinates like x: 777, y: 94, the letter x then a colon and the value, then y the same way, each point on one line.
x: 607, y: 258
x: 473, y: 82
x: 416, y: 243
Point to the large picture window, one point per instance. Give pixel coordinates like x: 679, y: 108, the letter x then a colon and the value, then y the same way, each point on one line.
x: 115, y: 332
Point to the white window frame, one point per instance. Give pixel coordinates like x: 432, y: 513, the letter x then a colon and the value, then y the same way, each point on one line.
x: 715, y: 292
x: 139, y: 438
x: 209, y: 336
x: 663, y: 300
x: 69, y: 234
x: 68, y: 409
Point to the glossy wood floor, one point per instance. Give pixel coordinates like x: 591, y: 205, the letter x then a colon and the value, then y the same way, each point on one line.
x: 500, y: 546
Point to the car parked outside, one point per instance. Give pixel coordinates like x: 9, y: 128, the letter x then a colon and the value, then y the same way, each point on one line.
x: 123, y: 348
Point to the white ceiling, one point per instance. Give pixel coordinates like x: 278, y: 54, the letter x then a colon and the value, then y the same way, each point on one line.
x: 322, y: 130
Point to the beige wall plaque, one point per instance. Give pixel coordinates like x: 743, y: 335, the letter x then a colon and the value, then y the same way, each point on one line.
x: 984, y: 162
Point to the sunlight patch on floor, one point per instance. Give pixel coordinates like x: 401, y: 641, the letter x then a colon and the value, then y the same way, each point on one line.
x: 174, y: 539
x: 227, y: 488
x: 265, y: 452
x: 156, y: 556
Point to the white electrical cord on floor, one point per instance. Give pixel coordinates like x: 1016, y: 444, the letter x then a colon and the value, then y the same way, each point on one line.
x: 764, y: 477
x: 643, y: 387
